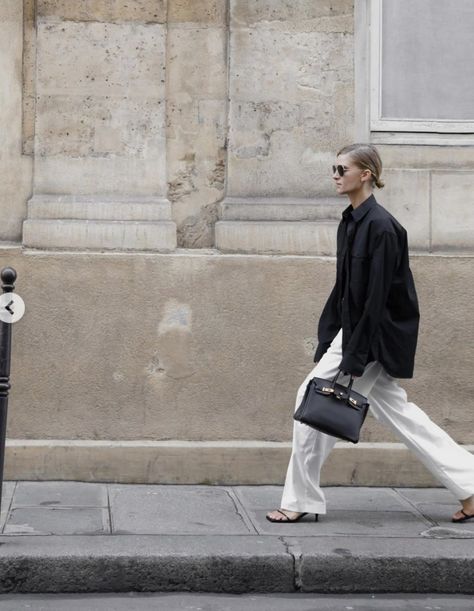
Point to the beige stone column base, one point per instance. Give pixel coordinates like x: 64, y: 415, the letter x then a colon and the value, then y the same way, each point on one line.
x: 102, y: 223
x: 279, y: 225
x: 206, y: 462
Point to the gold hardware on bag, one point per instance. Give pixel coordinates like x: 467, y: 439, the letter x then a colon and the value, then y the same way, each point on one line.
x: 324, y: 389
x: 352, y: 400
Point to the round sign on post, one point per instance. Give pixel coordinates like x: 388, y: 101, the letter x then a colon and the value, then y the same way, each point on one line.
x: 12, y: 307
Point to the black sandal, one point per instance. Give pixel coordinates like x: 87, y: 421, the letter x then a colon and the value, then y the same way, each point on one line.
x: 464, y: 519
x: 287, y: 519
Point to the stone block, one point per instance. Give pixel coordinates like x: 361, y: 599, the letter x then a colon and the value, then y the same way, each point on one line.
x: 306, y: 66
x: 101, y: 59
x: 277, y: 237
x: 95, y: 126
x: 15, y: 187
x: 438, y: 496
x: 351, y: 523
x: 197, y: 67
x: 282, y: 164
x: 286, y: 115
x: 427, y: 157
x: 406, y: 195
x: 453, y: 211
x: 152, y: 510
x: 281, y: 209
x: 209, y: 12
x: 220, y: 463
x: 312, y: 15
x: 59, y: 494
x: 366, y: 512
x: 7, y: 495
x: 100, y: 124
x: 111, y: 175
x: 140, y: 563
x: 364, y: 499
x: 98, y: 208
x: 149, y: 11
x: 373, y: 564
x: 100, y: 235
x: 57, y: 521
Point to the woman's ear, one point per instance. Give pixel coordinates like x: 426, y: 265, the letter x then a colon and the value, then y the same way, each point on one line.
x: 366, y: 175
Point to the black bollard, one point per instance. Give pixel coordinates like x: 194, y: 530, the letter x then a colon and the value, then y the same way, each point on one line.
x: 8, y: 276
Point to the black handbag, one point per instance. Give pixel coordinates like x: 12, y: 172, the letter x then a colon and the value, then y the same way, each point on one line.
x: 333, y: 409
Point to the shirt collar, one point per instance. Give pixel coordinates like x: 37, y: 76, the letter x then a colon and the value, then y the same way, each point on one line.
x: 359, y: 212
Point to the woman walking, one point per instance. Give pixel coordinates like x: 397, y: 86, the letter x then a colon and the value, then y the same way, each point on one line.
x: 369, y: 329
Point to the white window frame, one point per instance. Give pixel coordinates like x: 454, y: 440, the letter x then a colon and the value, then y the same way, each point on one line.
x: 369, y: 93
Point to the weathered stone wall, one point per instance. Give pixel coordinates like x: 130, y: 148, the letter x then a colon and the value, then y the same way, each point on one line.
x: 197, y: 116
x: 205, y: 347
x: 199, y: 103
x: 430, y: 190
x: 291, y: 83
x: 100, y: 98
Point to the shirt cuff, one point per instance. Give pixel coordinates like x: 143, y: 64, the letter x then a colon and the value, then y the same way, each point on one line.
x: 351, y: 365
x: 321, y: 351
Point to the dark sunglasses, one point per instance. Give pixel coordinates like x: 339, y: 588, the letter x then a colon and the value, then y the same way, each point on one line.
x: 340, y: 169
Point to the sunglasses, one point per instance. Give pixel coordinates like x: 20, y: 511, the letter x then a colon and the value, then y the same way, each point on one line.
x: 340, y: 169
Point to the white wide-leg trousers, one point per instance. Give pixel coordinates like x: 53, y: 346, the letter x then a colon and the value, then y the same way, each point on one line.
x: 451, y: 464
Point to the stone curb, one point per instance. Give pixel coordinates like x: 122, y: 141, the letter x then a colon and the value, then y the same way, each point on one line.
x: 238, y: 564
x: 219, y: 463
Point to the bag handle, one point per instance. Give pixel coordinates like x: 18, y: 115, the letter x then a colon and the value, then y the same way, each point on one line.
x: 349, y: 387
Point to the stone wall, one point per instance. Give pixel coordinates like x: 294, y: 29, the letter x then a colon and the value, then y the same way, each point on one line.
x: 200, y: 125
x: 136, y: 128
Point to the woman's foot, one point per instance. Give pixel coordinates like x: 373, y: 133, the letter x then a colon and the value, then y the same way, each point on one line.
x: 285, y: 515
x: 467, y: 511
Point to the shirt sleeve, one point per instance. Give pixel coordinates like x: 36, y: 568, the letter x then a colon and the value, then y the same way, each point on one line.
x: 382, y: 269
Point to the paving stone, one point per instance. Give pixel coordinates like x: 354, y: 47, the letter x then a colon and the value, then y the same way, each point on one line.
x: 259, y: 497
x: 184, y: 510
x: 349, y: 523
x: 60, y: 494
x: 57, y: 521
x: 426, y: 495
x: 351, y: 511
x: 340, y: 498
x: 7, y: 493
x: 441, y: 513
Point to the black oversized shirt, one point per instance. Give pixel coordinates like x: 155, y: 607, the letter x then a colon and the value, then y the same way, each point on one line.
x: 374, y: 299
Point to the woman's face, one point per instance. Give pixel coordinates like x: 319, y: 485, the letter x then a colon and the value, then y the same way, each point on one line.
x: 353, y: 179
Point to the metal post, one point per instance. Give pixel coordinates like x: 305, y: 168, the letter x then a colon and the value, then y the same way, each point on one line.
x: 8, y: 276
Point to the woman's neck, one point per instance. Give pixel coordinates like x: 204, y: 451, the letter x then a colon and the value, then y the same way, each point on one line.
x: 358, y: 197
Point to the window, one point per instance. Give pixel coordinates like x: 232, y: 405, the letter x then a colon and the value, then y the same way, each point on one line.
x: 422, y: 67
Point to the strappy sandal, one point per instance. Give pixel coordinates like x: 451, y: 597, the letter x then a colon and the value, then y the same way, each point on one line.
x: 464, y: 519
x: 288, y: 520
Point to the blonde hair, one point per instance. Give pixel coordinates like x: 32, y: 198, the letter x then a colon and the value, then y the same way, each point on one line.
x: 366, y: 157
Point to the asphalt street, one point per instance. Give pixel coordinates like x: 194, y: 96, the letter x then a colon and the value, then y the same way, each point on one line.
x: 223, y: 602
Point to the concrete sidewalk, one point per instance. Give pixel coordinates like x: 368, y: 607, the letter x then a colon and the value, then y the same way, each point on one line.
x: 84, y: 537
